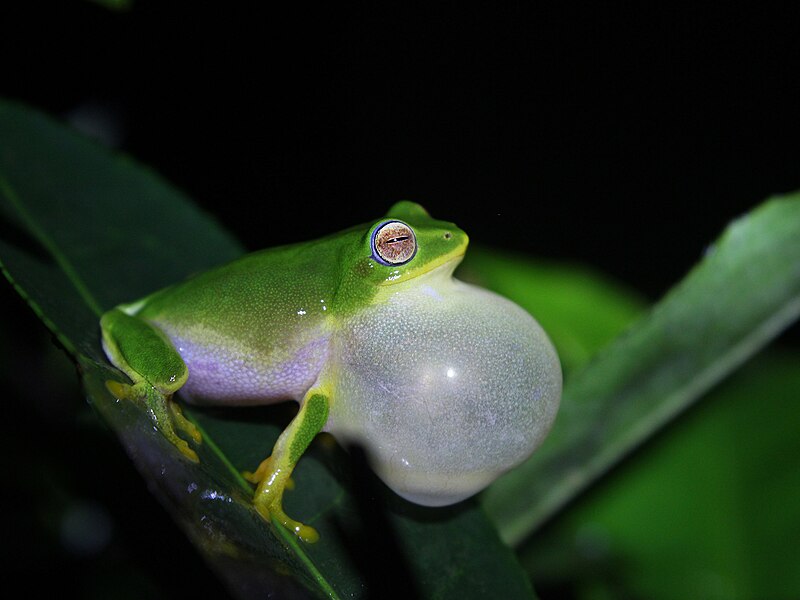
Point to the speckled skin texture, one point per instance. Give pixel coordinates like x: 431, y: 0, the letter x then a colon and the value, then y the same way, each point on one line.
x: 446, y: 385
x: 251, y: 335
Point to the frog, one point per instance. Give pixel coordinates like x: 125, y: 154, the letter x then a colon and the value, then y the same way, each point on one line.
x: 444, y: 384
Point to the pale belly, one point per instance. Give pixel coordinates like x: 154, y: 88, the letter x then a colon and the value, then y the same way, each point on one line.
x: 228, y: 372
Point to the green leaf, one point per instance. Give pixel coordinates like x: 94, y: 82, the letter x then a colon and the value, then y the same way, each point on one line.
x: 580, y: 310
x: 716, y: 499
x: 83, y: 230
x: 742, y: 294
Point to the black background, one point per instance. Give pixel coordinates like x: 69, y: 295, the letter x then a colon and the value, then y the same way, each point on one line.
x: 624, y: 137
x: 620, y: 136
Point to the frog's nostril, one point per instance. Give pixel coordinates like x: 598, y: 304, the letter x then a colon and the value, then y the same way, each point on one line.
x: 447, y: 235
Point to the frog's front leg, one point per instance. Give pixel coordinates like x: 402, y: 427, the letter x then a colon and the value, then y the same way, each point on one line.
x: 273, y: 474
x: 156, y: 370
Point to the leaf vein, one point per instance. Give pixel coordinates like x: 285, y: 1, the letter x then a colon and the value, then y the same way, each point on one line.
x: 49, y: 244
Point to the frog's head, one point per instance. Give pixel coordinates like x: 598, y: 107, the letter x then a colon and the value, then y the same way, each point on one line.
x: 404, y: 247
x: 407, y: 242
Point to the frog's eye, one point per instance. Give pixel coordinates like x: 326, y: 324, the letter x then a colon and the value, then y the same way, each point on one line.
x: 393, y: 243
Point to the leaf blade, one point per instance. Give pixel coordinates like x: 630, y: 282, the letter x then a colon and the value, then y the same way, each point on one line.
x: 13, y: 199
x: 109, y: 219
x: 744, y: 292
x: 717, y: 493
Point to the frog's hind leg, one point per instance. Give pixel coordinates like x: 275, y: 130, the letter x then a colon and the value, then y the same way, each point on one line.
x: 156, y: 370
x: 273, y: 475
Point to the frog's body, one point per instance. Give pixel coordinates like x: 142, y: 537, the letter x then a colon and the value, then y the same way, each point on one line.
x: 347, y: 326
x: 248, y: 337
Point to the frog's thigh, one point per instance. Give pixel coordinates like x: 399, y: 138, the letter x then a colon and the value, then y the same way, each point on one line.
x: 156, y: 369
x: 272, y: 475
x: 142, y: 352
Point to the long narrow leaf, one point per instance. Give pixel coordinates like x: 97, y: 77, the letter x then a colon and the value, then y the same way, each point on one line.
x: 743, y: 293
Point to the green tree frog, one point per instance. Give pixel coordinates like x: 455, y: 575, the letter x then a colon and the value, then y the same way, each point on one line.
x: 445, y: 385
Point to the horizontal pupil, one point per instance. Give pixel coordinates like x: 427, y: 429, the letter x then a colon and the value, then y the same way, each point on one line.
x: 397, y: 239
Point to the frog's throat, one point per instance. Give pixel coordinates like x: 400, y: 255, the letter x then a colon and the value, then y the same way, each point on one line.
x: 438, y: 278
x: 440, y: 267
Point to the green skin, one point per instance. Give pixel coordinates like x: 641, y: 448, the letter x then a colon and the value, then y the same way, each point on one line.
x: 256, y: 331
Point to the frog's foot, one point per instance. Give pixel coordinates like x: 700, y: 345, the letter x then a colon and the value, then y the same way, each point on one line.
x: 183, y: 423
x: 273, y: 475
x: 305, y: 532
x: 272, y: 482
x: 265, y: 467
x: 163, y: 410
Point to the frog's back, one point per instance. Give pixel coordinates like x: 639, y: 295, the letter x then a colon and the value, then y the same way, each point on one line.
x: 253, y: 331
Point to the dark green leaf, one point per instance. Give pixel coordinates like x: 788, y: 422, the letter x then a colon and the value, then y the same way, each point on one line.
x: 716, y: 499
x: 83, y: 231
x: 742, y: 294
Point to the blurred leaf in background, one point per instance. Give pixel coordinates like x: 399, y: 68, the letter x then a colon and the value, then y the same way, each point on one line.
x: 581, y: 310
x: 740, y: 296
x: 708, y: 509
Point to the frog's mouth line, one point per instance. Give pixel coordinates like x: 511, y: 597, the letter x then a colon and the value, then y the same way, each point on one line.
x: 446, y: 264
